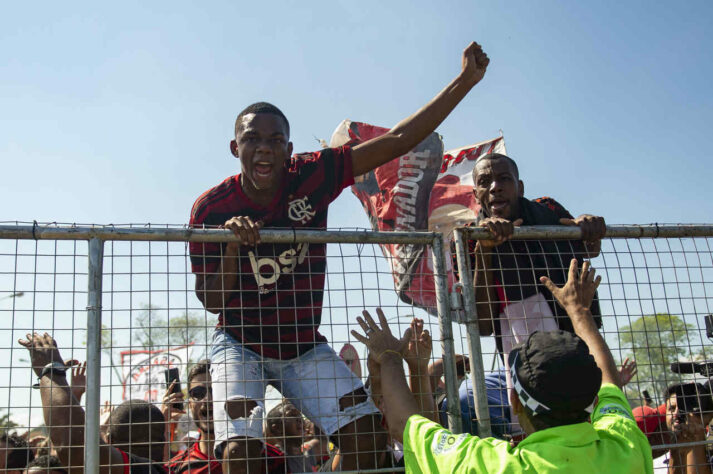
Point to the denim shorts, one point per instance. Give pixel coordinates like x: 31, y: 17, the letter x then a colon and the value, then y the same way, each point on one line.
x: 314, y: 382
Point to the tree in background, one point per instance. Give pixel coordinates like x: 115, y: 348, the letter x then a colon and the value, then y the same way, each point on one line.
x: 153, y: 331
x: 6, y: 424
x: 656, y: 341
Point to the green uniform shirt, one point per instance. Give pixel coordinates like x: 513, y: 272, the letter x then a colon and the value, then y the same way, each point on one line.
x: 612, y: 443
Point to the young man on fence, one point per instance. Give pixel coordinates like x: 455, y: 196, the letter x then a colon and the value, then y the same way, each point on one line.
x: 559, y: 381
x: 270, y: 296
x: 511, y: 303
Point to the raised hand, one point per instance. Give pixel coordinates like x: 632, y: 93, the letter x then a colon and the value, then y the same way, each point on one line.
x: 627, y: 371
x: 579, y: 290
x: 171, y: 403
x: 475, y: 62
x: 105, y: 412
x: 43, y: 350
x: 418, y: 349
x: 78, y: 379
x: 379, y: 340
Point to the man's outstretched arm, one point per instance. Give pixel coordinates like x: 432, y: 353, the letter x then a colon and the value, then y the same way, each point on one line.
x: 411, y: 131
x: 388, y: 352
x: 63, y: 415
x: 576, y: 298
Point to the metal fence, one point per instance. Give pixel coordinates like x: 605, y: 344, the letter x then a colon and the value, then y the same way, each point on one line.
x: 109, y: 294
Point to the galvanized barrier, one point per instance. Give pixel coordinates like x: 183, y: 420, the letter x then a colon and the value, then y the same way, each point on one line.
x: 49, y: 269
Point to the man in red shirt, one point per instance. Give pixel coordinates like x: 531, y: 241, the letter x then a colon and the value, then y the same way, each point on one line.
x: 198, y: 458
x: 269, y: 297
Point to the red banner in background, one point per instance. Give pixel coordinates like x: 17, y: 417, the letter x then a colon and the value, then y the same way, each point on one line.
x: 421, y: 190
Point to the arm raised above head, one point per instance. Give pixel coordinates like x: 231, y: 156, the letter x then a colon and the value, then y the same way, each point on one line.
x: 414, y: 129
x: 576, y: 298
x: 63, y: 415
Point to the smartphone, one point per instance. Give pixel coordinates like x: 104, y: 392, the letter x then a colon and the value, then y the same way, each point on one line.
x: 173, y: 375
x: 647, y: 397
x: 709, y: 325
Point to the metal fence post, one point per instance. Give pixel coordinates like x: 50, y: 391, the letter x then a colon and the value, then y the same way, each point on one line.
x: 94, y: 327
x: 477, y: 371
x: 455, y: 423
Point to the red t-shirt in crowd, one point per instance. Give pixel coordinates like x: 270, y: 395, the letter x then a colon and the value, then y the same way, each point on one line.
x: 195, y: 461
x: 276, y: 307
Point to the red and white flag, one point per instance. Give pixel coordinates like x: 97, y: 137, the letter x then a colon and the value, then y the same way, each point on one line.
x: 422, y: 190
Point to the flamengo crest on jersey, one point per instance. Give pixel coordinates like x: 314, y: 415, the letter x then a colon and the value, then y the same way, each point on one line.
x: 300, y: 210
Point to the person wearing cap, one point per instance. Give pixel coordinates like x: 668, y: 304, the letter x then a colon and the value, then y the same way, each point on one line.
x: 560, y: 382
x: 511, y: 303
x: 652, y: 422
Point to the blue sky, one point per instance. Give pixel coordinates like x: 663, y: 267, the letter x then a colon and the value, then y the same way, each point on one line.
x: 122, y: 113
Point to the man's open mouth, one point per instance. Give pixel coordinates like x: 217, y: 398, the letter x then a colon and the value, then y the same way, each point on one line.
x: 498, y: 205
x: 263, y: 169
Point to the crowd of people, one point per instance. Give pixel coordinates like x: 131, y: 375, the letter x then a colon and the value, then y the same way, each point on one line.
x: 557, y: 406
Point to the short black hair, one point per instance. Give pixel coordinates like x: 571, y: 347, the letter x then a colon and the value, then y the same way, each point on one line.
x: 261, y: 108
x: 47, y: 462
x: 137, y: 427
x: 497, y: 156
x: 276, y: 415
x: 200, y: 367
x: 19, y: 451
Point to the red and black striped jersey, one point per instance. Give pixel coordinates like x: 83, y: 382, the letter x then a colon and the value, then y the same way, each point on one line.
x: 276, y: 307
x: 195, y: 461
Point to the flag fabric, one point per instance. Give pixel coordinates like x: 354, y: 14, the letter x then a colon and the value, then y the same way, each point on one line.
x: 422, y: 190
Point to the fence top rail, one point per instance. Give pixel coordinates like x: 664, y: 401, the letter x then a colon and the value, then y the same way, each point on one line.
x: 556, y: 232
x: 185, y: 234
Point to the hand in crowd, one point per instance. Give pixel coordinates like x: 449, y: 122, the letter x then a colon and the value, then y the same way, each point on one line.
x: 593, y: 227
x: 244, y: 229
x: 105, y: 412
x: 501, y: 229
x: 78, y: 379
x: 475, y: 62
x: 691, y: 430
x: 172, y: 403
x: 43, y: 350
x: 627, y: 371
x: 579, y: 290
x: 418, y: 349
x: 379, y: 340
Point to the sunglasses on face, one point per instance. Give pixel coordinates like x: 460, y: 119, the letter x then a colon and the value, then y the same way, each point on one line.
x: 199, y: 393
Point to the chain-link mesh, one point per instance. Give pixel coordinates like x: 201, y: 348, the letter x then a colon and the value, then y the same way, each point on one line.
x: 653, y: 303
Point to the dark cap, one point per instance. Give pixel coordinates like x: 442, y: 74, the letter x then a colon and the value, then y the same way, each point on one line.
x: 554, y: 374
